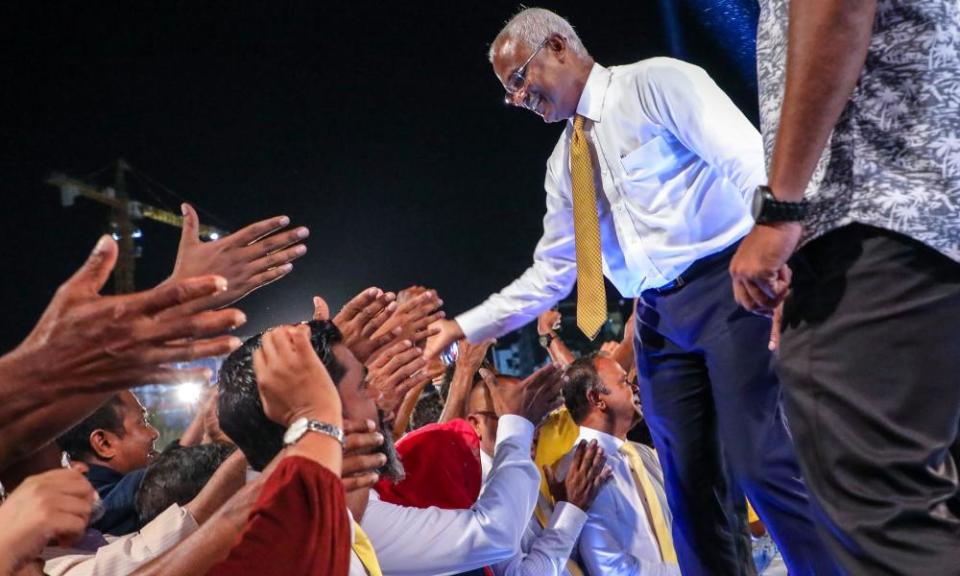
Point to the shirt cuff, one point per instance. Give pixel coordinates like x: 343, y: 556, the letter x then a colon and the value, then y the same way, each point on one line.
x: 477, y: 325
x: 172, y: 526
x: 513, y: 427
x: 568, y: 519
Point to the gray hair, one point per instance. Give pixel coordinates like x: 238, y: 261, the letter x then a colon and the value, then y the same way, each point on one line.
x: 532, y: 26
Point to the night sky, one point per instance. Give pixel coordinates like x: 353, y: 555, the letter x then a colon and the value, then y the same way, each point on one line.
x: 377, y: 125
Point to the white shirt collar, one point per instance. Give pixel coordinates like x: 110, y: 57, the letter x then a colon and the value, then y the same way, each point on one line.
x: 610, y: 444
x: 594, y: 91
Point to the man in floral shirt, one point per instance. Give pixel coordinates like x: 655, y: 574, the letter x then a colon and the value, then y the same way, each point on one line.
x: 860, y: 111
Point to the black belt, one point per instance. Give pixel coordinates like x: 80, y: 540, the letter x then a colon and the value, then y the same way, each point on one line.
x: 696, y: 269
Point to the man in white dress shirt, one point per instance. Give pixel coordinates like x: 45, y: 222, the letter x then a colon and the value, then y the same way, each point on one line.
x: 671, y: 166
x: 628, y: 526
x: 545, y: 549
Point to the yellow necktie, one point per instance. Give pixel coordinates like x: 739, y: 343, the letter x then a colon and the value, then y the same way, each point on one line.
x: 591, y: 297
x: 654, y: 511
x: 364, y: 550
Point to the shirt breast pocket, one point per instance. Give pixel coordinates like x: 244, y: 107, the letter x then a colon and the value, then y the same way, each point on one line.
x: 650, y: 159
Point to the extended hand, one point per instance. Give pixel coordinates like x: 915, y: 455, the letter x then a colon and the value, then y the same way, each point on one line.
x: 393, y: 374
x: 761, y: 277
x: 414, y: 317
x: 532, y: 398
x: 86, y: 342
x: 248, y: 259
x: 548, y: 322
x: 360, y: 318
x: 447, y: 332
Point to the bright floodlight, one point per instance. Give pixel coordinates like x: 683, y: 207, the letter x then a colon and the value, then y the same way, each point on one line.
x: 214, y: 236
x: 189, y: 392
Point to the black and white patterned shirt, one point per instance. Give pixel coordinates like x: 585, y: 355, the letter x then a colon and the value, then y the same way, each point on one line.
x: 893, y: 160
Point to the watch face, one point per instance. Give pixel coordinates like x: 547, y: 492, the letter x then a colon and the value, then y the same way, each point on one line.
x: 296, y: 430
x: 757, y: 204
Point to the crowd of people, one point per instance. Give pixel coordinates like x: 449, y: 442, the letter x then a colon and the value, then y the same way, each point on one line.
x: 358, y: 443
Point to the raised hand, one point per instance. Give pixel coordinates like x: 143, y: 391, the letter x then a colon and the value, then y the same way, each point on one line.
x: 588, y: 472
x: 548, y: 322
x: 211, y: 420
x: 393, y: 374
x: 361, y: 461
x: 292, y: 381
x: 471, y: 356
x: 532, y: 398
x: 249, y: 258
x: 360, y: 318
x: 361, y: 456
x: 446, y: 332
x: 609, y: 348
x: 53, y: 506
x: 85, y: 342
x: 414, y: 317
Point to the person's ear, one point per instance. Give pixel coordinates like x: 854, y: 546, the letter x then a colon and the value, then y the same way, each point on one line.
x: 103, y: 444
x: 474, y: 421
x: 595, y: 399
x: 557, y: 44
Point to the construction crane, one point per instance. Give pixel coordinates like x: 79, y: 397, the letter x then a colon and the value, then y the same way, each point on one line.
x: 123, y: 212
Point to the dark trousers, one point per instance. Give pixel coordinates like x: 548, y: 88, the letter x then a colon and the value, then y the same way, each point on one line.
x: 870, y: 360
x: 712, y: 400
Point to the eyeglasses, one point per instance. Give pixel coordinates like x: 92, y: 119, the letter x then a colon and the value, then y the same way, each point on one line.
x: 518, y: 78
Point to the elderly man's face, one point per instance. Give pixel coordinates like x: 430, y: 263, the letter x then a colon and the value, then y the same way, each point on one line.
x: 549, y: 88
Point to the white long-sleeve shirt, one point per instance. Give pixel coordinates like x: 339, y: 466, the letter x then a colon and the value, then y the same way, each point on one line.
x: 678, y: 164
x: 617, y: 539
x: 417, y: 541
x: 124, y: 554
x: 544, y: 551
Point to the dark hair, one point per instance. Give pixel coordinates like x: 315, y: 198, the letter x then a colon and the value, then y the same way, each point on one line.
x: 582, y: 377
x: 240, y: 410
x: 176, y: 477
x: 76, y: 441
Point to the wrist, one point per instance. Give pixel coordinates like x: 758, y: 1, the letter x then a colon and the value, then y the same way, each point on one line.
x: 323, y: 414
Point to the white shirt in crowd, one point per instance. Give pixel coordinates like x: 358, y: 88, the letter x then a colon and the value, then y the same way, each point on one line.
x: 124, y: 554
x: 544, y: 551
x: 617, y: 538
x: 677, y: 163
x: 416, y: 541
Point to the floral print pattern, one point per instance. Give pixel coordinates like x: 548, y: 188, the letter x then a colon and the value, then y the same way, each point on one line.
x: 893, y: 160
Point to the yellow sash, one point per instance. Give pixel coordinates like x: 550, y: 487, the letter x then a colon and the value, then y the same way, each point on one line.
x: 364, y: 550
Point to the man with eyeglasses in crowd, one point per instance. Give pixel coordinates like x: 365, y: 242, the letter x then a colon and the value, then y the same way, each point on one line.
x: 650, y: 185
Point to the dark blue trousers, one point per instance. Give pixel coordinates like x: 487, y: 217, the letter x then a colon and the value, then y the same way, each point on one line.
x: 712, y: 401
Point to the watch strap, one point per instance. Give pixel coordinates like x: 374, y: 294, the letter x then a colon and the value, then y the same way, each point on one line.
x: 301, y: 426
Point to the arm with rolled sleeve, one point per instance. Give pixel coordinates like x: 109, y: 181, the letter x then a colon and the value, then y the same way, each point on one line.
x: 415, y: 541
x: 683, y: 99
x: 549, y: 279
x: 127, y: 553
x: 550, y: 551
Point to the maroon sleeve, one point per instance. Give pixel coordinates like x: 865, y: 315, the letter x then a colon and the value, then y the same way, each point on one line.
x: 298, y: 527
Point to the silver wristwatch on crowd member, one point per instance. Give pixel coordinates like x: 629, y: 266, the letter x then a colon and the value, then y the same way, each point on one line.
x: 767, y: 209
x: 301, y: 426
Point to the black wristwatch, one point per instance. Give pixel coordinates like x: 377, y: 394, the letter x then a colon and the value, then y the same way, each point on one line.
x: 767, y: 209
x: 546, y: 339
